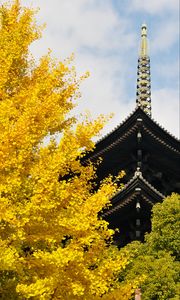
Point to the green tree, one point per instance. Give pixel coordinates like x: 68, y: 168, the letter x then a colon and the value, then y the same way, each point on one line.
x: 157, y: 259
x: 165, y: 233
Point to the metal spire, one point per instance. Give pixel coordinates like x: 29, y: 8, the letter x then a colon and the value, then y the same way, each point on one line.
x: 143, y: 98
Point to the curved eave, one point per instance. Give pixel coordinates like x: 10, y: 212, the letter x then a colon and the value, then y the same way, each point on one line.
x: 138, y: 185
x: 128, y: 127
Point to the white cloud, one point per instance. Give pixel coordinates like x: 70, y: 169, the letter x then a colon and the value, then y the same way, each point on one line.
x: 94, y: 31
x: 100, y: 93
x: 169, y: 71
x: 104, y: 41
x: 155, y: 6
x: 83, y: 23
x: 166, y: 109
x: 166, y: 35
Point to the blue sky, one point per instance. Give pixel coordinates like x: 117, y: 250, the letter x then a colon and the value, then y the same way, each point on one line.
x: 105, y: 36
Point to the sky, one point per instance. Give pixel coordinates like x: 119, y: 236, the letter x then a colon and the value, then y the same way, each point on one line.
x: 104, y: 35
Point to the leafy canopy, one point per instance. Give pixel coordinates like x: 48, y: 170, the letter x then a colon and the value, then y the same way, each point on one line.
x: 157, y: 260
x: 53, y: 245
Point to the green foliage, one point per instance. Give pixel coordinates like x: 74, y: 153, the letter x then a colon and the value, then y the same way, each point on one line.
x: 8, y: 282
x: 157, y: 258
x: 166, y: 226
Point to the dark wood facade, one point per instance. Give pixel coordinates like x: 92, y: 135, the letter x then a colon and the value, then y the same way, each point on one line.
x: 150, y: 157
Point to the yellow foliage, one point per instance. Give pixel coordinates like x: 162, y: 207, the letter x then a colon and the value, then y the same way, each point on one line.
x: 52, y: 242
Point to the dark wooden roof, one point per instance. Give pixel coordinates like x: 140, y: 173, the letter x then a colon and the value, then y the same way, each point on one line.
x: 123, y: 213
x: 128, y: 127
x: 136, y: 186
x: 150, y: 157
x: 160, y: 151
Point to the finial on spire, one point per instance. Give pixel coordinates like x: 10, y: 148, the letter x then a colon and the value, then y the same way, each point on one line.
x: 144, y: 48
x: 143, y: 30
x: 143, y: 75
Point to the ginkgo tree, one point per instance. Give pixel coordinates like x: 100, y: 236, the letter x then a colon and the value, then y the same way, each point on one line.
x: 53, y: 245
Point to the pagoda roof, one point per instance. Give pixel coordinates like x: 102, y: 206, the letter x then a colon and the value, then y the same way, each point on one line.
x: 159, y: 150
x: 128, y: 127
x: 136, y: 186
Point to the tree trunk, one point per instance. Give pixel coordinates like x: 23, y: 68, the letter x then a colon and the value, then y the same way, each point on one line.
x: 137, y: 294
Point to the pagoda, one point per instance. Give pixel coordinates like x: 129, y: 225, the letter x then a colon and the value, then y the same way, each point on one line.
x: 149, y: 155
